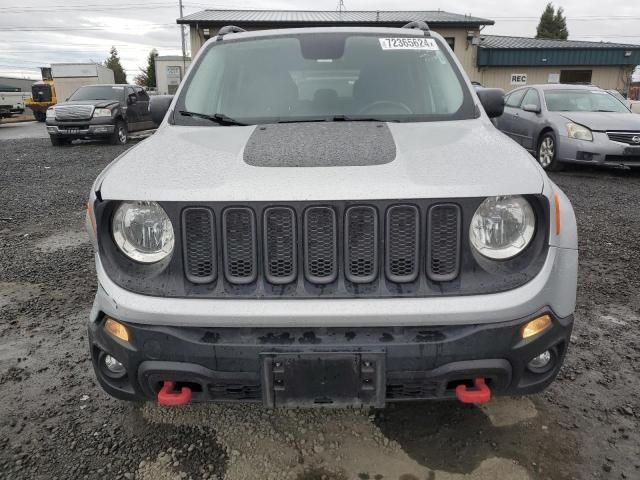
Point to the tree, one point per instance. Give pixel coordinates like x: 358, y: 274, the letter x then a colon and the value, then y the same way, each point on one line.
x: 147, y: 76
x: 553, y: 24
x: 113, y: 62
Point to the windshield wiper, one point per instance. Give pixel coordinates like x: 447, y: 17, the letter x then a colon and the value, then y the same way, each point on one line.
x: 219, y: 118
x: 337, y: 118
x: 351, y: 118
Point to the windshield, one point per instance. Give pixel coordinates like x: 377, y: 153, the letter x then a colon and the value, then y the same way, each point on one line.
x: 326, y: 77
x: 102, y: 92
x: 582, y: 101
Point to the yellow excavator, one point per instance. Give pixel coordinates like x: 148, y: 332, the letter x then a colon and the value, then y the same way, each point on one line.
x: 43, y: 95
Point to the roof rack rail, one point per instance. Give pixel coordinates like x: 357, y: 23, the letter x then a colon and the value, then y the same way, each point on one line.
x: 228, y: 29
x: 419, y: 25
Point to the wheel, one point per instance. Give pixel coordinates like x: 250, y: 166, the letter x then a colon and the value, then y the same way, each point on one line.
x: 548, y: 153
x: 40, y: 115
x: 58, y: 141
x: 119, y: 135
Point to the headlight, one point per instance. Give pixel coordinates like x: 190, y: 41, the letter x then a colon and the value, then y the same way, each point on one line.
x: 502, y: 227
x: 579, y: 132
x: 51, y: 113
x: 101, y: 112
x: 143, y: 231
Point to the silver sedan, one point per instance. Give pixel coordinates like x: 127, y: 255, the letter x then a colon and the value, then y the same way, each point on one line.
x: 572, y: 123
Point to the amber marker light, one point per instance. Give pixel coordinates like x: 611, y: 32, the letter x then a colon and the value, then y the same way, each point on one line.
x: 117, y: 329
x: 556, y: 200
x: 534, y: 327
x: 91, y: 218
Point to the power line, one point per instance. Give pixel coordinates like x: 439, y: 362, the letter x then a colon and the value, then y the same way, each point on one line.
x: 71, y: 29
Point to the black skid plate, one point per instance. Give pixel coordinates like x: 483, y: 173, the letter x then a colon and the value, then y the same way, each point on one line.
x: 319, y: 379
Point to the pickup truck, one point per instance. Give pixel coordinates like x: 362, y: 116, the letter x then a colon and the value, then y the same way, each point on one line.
x: 107, y: 112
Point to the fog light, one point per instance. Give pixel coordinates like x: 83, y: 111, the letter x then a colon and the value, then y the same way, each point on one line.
x: 541, y: 363
x: 111, y: 367
x: 116, y: 329
x: 534, y: 327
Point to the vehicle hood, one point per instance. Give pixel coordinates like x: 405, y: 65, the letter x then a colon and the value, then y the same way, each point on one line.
x: 430, y: 160
x: 95, y: 103
x: 603, y: 121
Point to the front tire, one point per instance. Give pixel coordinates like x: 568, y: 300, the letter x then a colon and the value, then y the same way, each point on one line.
x: 119, y: 135
x: 548, y: 153
x: 40, y: 116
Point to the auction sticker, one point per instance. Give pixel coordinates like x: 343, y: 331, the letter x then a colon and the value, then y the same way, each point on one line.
x: 408, y: 43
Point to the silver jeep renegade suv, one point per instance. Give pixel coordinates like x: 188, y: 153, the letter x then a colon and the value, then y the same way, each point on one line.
x: 328, y: 217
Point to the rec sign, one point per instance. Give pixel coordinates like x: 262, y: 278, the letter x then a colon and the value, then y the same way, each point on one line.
x: 518, y: 79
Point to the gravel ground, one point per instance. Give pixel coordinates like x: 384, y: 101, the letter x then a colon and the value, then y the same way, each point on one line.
x: 55, y: 422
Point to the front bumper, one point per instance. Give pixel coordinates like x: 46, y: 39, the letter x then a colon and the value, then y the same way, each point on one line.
x: 83, y: 131
x: 601, y: 151
x: 233, y: 364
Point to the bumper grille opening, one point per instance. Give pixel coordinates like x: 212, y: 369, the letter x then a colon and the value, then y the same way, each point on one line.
x: 280, y: 245
x: 199, y: 245
x: 403, y: 239
x: 239, y: 239
x: 443, y: 238
x: 412, y: 390
x: 235, y: 391
x: 320, y: 245
x: 361, y: 244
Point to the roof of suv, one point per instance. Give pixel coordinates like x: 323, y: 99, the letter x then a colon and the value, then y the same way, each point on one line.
x: 311, y: 30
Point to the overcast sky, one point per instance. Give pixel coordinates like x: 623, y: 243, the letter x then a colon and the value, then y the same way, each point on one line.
x: 37, y: 33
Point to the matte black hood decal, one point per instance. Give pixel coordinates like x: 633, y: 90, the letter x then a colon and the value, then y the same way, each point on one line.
x: 330, y: 144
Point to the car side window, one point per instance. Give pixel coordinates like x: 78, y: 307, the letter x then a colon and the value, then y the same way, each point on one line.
x: 532, y: 98
x: 142, y: 95
x: 515, y: 98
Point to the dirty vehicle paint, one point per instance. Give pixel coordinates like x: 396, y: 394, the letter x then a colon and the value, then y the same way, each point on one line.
x: 237, y: 268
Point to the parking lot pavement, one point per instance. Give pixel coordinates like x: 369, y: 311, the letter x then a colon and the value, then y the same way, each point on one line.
x: 14, y: 131
x: 55, y: 422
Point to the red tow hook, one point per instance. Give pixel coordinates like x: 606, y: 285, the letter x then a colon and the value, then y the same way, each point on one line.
x: 168, y: 398
x: 481, y: 394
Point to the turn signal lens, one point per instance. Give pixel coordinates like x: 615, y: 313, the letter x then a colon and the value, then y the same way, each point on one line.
x: 534, y: 327
x: 117, y: 329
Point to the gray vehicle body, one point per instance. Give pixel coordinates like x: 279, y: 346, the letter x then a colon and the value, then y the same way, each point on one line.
x: 527, y: 126
x: 435, y: 160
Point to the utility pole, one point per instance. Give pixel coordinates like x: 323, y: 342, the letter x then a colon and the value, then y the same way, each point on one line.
x: 184, y: 47
x: 341, y: 7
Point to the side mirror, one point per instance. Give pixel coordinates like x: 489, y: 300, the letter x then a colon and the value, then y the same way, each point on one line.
x: 131, y: 99
x: 158, y: 107
x: 492, y: 100
x: 531, y: 108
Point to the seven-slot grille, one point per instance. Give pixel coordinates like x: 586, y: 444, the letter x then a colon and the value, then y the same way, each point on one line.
x: 199, y: 245
x: 74, y: 112
x: 320, y: 244
x: 630, y: 138
x: 443, y: 242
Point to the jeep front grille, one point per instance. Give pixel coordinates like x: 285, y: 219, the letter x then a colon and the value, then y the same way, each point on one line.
x: 320, y: 245
x: 283, y: 245
x: 280, y: 245
x: 402, y: 242
x: 239, y: 245
x: 199, y: 245
x: 443, y: 248
x: 361, y: 244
